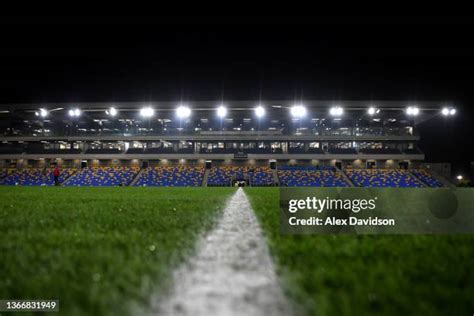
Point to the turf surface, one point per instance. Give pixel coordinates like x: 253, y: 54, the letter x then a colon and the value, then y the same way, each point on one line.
x: 100, y: 251
x: 369, y: 275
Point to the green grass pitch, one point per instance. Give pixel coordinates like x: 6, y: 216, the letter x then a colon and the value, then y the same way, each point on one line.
x: 107, y: 250
x: 100, y: 251
x: 370, y: 274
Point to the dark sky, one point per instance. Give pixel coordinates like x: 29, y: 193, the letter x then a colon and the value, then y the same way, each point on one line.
x: 77, y: 59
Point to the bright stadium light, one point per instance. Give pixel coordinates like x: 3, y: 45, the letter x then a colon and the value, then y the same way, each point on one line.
x: 259, y: 111
x: 448, y: 111
x: 336, y: 111
x: 183, y: 112
x: 42, y: 113
x: 147, y: 112
x: 459, y: 177
x: 412, y: 110
x: 372, y: 111
x: 112, y: 111
x: 298, y: 111
x: 221, y: 111
x: 74, y: 112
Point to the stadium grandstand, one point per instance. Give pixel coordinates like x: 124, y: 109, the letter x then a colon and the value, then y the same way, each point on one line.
x: 277, y: 143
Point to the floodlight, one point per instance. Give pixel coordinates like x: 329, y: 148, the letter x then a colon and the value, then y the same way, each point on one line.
x: 74, y: 112
x: 43, y: 112
x: 221, y: 111
x: 112, y: 111
x: 336, y: 111
x: 459, y: 177
x: 259, y: 111
x: 147, y: 112
x: 413, y: 111
x: 447, y: 111
x: 372, y: 111
x: 183, y: 112
x: 298, y: 111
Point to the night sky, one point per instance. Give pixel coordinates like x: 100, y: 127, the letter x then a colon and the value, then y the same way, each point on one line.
x: 79, y: 59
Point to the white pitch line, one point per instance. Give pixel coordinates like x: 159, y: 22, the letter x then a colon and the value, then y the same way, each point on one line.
x: 232, y: 272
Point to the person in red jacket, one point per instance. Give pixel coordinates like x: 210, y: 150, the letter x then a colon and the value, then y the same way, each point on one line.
x: 56, y: 174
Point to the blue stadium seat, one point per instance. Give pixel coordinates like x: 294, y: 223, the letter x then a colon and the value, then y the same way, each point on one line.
x: 222, y: 176
x: 33, y: 176
x: 379, y: 178
x: 427, y: 178
x: 295, y: 176
x: 261, y: 176
x: 181, y: 176
x: 103, y: 176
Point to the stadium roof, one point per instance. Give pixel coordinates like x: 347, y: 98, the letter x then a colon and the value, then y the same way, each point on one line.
x: 232, y: 105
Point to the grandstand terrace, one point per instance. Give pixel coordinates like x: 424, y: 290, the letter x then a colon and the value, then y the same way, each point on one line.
x: 32, y: 176
x: 261, y: 176
x: 296, y: 176
x: 103, y: 176
x: 154, y: 144
x: 188, y: 176
x: 383, y: 178
x: 177, y: 176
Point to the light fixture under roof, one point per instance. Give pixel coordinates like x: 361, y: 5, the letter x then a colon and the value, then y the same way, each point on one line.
x: 42, y: 112
x: 336, y: 111
x: 373, y: 110
x: 298, y: 111
x: 221, y: 111
x: 448, y: 111
x: 112, y: 111
x: 147, y: 112
x: 74, y: 112
x: 183, y: 112
x: 412, y: 111
x: 259, y: 111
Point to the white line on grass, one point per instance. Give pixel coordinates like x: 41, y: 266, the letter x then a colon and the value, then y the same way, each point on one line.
x: 232, y: 272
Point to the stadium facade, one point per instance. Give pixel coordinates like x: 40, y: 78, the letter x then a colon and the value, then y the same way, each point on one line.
x: 251, y: 134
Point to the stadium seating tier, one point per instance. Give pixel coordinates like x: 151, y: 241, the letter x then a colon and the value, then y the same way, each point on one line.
x: 103, y: 176
x: 377, y: 178
x: 293, y: 176
x: 33, y: 176
x: 181, y: 176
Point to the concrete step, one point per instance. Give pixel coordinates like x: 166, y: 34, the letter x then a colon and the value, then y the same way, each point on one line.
x: 137, y: 176
x: 204, y: 179
x: 276, y: 180
x: 344, y: 175
x: 69, y: 177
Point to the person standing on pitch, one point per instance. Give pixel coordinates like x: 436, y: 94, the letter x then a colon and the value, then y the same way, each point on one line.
x: 56, y: 174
